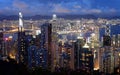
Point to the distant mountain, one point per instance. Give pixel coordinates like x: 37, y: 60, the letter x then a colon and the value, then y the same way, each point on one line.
x: 38, y: 17
x: 87, y: 16
x: 11, y: 17
x: 116, y: 17
x: 15, y: 17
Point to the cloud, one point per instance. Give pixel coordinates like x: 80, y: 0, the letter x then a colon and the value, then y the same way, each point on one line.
x: 112, y: 10
x: 91, y: 11
x: 8, y: 11
x: 54, y: 1
x: 77, y: 6
x: 95, y: 11
x: 57, y: 8
x: 87, y: 3
x: 19, y: 4
x: 1, y: 12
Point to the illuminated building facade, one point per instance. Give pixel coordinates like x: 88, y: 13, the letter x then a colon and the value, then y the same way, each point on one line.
x: 106, y: 40
x: 1, y: 43
x: 55, y: 53
x: 22, y: 54
x: 106, y: 54
x: 22, y: 48
x: 77, y: 46
x: 86, y: 59
x: 117, y: 58
x: 115, y: 40
x: 44, y: 54
x: 65, y: 54
x: 32, y: 56
x: 107, y: 60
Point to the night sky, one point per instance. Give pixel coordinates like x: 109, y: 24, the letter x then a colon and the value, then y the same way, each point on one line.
x: 48, y: 7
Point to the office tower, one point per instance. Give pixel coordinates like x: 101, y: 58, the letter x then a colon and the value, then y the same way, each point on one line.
x: 32, y: 56
x: 54, y: 23
x: 107, y: 60
x: 22, y: 50
x: 86, y: 59
x: 106, y: 40
x: 31, y: 51
x: 55, y: 53
x: 94, y: 45
x: 7, y: 44
x: 106, y: 53
x: 117, y: 59
x: 118, y: 40
x: 106, y: 37
x: 45, y: 46
x: 1, y: 43
x: 72, y: 56
x: 37, y: 40
x: 30, y: 40
x: 64, y: 59
x: 115, y: 41
x: 82, y: 56
x: 65, y: 54
x: 77, y: 46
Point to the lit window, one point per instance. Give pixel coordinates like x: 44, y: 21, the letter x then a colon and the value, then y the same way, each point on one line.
x: 87, y: 59
x: 83, y: 54
x: 87, y: 55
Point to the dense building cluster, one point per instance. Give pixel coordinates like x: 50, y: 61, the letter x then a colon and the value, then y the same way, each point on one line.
x: 77, y: 45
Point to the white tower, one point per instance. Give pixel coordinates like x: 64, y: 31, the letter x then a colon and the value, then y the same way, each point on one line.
x: 107, y: 29
x: 54, y: 17
x: 20, y: 20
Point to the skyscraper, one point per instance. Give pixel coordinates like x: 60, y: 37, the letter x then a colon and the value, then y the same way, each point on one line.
x: 106, y: 53
x: 22, y: 50
x: 44, y: 54
x: 86, y: 59
x: 1, y: 43
x: 77, y: 47
x: 32, y: 56
x: 107, y: 61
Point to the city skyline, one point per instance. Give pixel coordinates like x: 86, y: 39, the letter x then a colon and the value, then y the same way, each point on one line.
x: 66, y: 37
x: 48, y: 7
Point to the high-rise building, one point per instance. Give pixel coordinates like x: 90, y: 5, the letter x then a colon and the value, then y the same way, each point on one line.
x: 86, y: 59
x: 32, y: 56
x: 1, y: 43
x: 118, y: 40
x: 65, y: 53
x: 82, y: 56
x: 21, y: 47
x: 106, y: 53
x: 106, y: 60
x: 115, y: 41
x: 75, y: 54
x: 117, y: 58
x: 106, y: 40
x: 44, y: 54
x: 22, y: 50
